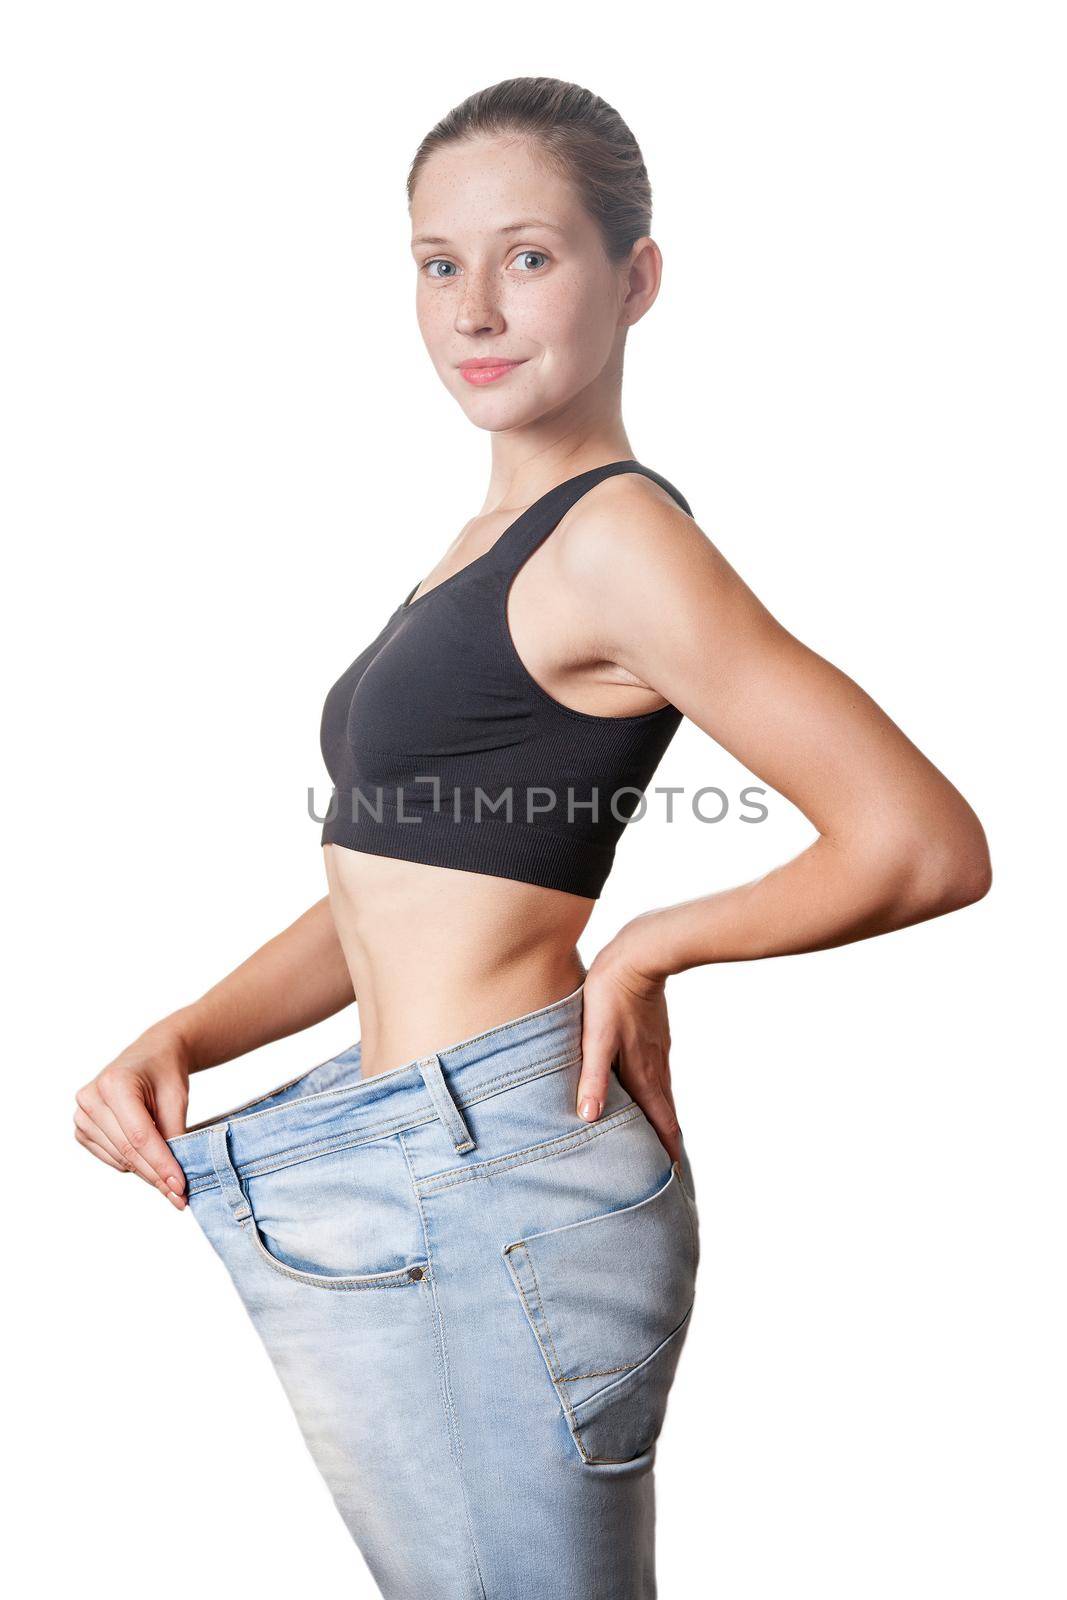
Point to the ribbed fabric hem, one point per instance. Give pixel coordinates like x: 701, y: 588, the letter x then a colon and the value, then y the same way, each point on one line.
x: 516, y: 850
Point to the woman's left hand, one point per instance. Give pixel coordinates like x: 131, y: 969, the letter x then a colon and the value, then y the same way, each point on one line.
x: 625, y: 1022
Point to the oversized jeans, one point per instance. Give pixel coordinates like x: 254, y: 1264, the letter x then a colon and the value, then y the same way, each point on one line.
x: 475, y: 1301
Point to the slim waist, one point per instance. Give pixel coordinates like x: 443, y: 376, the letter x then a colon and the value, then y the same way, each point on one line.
x: 332, y: 1106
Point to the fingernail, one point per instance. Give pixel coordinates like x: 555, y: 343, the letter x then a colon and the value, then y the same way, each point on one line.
x: 176, y: 1202
x: 589, y: 1109
x: 175, y: 1183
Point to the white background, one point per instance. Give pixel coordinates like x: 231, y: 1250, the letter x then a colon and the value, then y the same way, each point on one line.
x: 228, y: 459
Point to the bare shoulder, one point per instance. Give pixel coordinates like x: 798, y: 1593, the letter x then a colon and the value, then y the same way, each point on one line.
x: 625, y: 508
x: 628, y: 546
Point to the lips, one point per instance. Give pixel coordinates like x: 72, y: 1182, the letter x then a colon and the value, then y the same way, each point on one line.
x: 487, y: 369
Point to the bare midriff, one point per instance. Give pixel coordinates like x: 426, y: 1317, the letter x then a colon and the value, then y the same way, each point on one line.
x: 437, y: 955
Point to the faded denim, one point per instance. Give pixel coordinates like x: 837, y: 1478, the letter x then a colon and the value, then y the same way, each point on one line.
x: 475, y: 1301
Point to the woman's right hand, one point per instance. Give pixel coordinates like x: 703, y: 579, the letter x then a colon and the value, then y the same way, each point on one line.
x: 126, y: 1114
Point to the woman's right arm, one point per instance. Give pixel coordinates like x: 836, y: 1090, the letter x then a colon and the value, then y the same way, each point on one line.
x: 128, y: 1111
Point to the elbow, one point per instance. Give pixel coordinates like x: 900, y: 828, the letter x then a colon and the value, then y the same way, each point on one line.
x: 958, y: 876
x: 931, y: 874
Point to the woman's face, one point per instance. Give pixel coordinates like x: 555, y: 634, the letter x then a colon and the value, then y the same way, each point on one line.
x: 512, y: 268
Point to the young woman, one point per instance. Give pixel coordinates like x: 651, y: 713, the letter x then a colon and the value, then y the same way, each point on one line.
x: 470, y: 1242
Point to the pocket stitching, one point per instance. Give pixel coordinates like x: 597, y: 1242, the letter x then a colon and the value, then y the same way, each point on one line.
x: 555, y: 1366
x: 553, y: 1370
x: 395, y: 1278
x: 601, y: 1216
x: 626, y: 1371
x: 532, y: 1153
x: 539, y: 1320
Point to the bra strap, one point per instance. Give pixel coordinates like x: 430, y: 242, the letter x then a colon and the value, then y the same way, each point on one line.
x: 533, y: 525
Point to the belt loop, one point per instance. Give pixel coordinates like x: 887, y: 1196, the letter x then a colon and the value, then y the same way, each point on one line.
x: 234, y: 1195
x: 444, y: 1104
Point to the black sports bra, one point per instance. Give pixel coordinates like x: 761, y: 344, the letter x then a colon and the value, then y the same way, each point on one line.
x: 444, y: 749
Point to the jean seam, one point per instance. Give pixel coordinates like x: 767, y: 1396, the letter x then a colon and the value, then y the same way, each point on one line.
x: 606, y: 1372
x: 551, y: 1360
x: 325, y: 1094
x: 441, y: 1358
x: 384, y: 1130
x: 644, y: 1361
x: 538, y: 1152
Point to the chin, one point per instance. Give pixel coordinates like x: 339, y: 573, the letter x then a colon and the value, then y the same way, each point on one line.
x: 496, y: 418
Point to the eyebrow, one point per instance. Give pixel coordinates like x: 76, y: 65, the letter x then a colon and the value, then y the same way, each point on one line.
x: 509, y: 227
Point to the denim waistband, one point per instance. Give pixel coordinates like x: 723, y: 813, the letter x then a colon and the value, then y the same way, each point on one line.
x: 313, y: 1121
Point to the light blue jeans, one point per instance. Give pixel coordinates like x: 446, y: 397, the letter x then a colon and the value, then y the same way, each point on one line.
x: 475, y: 1301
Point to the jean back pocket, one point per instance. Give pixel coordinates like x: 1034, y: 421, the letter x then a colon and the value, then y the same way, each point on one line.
x: 609, y: 1300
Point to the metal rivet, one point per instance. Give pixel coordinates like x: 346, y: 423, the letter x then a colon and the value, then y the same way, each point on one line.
x: 415, y: 1273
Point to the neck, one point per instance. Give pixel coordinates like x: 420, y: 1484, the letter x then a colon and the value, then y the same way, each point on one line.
x: 528, y: 461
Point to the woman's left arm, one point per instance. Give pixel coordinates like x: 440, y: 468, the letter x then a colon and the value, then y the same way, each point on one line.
x: 897, y: 842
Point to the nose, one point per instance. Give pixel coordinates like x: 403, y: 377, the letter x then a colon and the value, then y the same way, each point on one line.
x: 478, y: 310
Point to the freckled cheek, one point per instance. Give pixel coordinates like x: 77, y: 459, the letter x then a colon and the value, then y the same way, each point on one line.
x: 428, y: 315
x: 552, y: 318
x: 437, y: 326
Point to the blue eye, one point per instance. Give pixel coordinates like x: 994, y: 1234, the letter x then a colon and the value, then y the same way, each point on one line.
x: 526, y: 254
x: 539, y: 257
x: 438, y: 261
